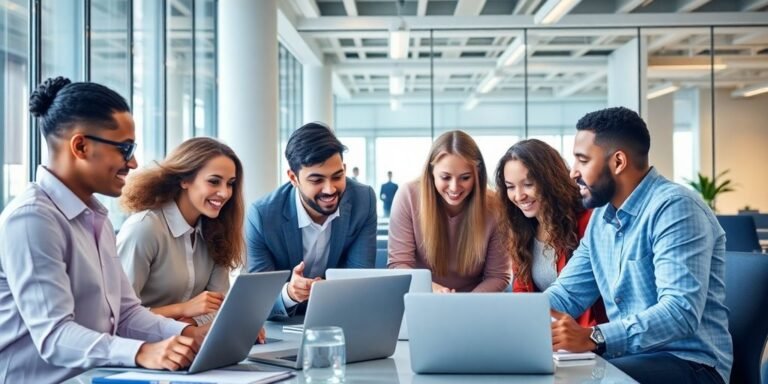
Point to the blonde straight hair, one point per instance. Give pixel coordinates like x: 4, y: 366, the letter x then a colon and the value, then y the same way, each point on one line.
x: 434, y: 214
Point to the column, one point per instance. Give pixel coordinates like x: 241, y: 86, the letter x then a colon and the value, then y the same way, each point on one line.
x: 625, y: 89
x: 248, y: 98
x: 318, y: 94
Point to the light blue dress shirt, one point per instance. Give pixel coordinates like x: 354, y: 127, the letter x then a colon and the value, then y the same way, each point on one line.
x: 658, y: 262
x: 63, y: 294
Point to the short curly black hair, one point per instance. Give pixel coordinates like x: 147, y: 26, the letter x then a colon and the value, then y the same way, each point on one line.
x: 619, y: 128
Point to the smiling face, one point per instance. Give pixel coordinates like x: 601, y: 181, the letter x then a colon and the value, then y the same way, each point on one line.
x: 321, y: 186
x: 454, y: 179
x: 591, y: 171
x: 209, y: 190
x: 102, y: 165
x: 521, y: 190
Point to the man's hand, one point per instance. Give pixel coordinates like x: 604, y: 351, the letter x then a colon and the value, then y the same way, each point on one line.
x: 172, y: 354
x: 437, y: 288
x: 568, y: 335
x: 197, y: 333
x: 204, y: 303
x: 262, y: 338
x: 298, y: 287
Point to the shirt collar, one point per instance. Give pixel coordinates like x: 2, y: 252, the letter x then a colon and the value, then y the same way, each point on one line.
x: 63, y: 197
x: 304, y: 220
x: 634, y: 201
x: 176, y: 222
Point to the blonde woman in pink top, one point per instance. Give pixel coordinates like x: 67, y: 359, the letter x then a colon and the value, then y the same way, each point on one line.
x: 446, y: 222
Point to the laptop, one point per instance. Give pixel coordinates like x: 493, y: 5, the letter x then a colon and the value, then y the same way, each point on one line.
x: 240, y: 317
x: 421, y: 281
x: 492, y: 333
x: 368, y: 310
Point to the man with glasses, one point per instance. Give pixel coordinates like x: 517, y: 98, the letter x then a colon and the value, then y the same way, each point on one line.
x: 65, y: 302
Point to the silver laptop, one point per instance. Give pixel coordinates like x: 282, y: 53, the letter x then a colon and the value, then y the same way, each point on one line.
x: 240, y: 317
x: 479, y: 333
x: 368, y: 310
x: 421, y: 281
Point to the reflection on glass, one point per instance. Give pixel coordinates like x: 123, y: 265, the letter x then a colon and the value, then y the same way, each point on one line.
x: 179, y: 72
x: 61, y: 39
x: 148, y: 96
x: 290, y: 88
x: 14, y: 122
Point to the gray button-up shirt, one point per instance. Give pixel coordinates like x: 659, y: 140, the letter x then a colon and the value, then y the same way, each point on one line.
x: 63, y: 295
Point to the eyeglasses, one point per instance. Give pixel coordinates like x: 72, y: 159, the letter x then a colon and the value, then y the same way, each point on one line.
x: 127, y: 149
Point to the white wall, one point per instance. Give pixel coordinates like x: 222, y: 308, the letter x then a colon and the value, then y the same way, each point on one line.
x: 624, y: 86
x: 661, y: 124
x: 741, y: 145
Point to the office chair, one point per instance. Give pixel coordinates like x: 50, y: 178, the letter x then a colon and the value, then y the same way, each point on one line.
x: 746, y: 295
x: 740, y: 233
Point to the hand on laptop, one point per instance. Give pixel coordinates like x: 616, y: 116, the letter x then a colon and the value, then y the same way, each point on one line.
x: 298, y: 287
x: 172, y: 354
x: 437, y: 288
x: 262, y: 338
x: 568, y: 335
x: 204, y: 303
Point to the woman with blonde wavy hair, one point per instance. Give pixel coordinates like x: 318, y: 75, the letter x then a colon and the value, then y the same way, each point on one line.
x: 186, y: 231
x: 445, y: 221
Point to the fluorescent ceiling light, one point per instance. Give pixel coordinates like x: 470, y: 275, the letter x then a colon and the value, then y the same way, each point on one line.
x: 685, y: 64
x: 661, y: 90
x: 489, y: 82
x: 554, y: 10
x: 395, y: 104
x: 512, y: 54
x: 471, y: 103
x: 751, y: 90
x: 399, y: 41
x: 396, y: 84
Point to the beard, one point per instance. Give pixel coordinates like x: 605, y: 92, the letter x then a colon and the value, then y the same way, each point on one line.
x: 601, y: 192
x: 315, y: 203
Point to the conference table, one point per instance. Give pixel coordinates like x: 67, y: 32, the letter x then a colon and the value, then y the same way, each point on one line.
x: 397, y: 369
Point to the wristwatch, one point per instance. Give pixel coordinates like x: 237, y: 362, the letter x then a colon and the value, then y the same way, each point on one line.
x: 597, y: 337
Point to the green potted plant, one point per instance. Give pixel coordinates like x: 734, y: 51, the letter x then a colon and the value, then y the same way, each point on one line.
x: 711, y: 188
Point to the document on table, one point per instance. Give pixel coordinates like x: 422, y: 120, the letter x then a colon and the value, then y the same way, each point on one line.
x: 567, y: 356
x: 213, y: 376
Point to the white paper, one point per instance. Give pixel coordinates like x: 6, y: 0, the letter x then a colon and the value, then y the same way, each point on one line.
x: 565, y: 355
x: 213, y: 376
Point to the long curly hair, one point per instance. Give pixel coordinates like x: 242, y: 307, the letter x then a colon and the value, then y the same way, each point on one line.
x: 434, y: 215
x: 155, y: 185
x: 559, y: 206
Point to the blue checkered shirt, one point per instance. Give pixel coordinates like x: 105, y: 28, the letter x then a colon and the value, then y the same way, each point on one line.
x: 658, y: 262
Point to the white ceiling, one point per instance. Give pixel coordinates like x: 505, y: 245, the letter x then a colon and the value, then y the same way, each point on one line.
x: 470, y: 35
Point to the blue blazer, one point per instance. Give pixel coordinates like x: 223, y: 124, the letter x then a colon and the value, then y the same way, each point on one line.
x: 275, y: 242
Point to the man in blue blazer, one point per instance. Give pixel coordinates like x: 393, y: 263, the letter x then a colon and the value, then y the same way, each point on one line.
x: 318, y: 220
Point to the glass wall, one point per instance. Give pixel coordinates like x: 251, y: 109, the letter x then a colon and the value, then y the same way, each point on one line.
x: 502, y: 85
x: 159, y: 55
x: 14, y: 131
x: 291, y: 101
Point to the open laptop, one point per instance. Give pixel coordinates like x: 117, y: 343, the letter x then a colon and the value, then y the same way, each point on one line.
x: 479, y: 333
x: 240, y: 317
x: 368, y: 310
x: 421, y: 281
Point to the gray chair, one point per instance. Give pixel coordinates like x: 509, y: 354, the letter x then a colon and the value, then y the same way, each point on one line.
x: 746, y: 291
x: 740, y: 233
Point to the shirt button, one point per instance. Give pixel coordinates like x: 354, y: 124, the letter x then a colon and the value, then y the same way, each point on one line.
x: 618, y: 300
x: 619, y: 234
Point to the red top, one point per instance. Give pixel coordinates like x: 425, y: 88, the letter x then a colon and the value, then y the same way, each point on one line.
x: 592, y: 316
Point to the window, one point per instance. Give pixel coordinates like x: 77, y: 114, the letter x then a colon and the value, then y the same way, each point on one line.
x: 14, y: 48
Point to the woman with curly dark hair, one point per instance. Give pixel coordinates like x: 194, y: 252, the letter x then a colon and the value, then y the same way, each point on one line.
x: 543, y: 217
x: 186, y: 231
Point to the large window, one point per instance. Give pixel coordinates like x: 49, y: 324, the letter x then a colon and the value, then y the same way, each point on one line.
x: 14, y: 48
x: 291, y: 107
x: 159, y: 55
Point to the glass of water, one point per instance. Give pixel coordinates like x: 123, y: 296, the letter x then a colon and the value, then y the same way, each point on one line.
x: 324, y: 355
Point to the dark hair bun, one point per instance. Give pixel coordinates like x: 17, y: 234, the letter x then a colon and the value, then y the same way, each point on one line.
x: 42, y: 98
